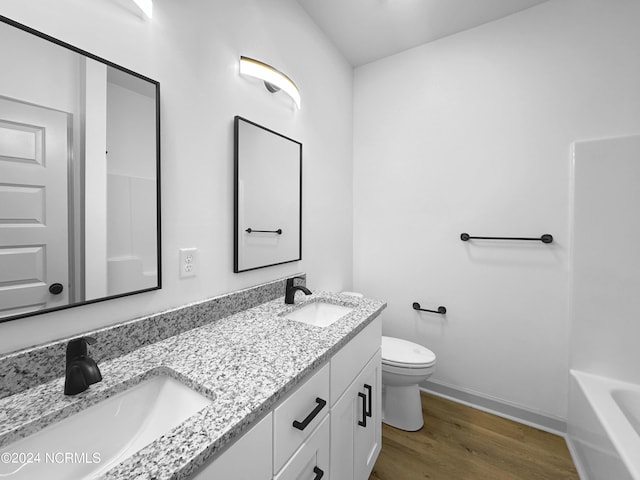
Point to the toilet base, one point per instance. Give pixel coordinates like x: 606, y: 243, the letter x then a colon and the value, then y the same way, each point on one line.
x: 401, y: 407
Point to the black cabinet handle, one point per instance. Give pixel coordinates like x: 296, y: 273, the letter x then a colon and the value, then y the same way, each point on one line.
x: 319, y: 473
x: 363, y: 422
x: 56, y: 288
x: 369, y: 409
x: 302, y: 425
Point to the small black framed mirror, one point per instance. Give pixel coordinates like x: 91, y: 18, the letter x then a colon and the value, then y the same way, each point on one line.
x: 267, y: 197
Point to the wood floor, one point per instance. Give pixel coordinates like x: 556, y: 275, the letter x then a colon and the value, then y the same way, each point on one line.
x: 462, y: 443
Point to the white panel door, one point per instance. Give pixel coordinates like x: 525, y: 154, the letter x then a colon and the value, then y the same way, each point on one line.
x: 33, y: 207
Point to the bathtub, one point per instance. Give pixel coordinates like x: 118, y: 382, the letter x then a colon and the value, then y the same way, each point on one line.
x: 604, y: 427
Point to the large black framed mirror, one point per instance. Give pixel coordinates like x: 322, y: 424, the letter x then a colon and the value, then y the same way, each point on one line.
x: 268, y: 197
x: 79, y: 176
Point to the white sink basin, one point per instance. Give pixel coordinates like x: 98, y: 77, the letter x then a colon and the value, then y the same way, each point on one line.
x: 319, y: 314
x: 92, y: 441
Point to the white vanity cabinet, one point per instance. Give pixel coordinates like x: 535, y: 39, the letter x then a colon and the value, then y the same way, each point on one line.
x: 249, y: 458
x: 367, y: 440
x: 312, y: 460
x: 356, y: 415
x: 356, y: 427
x: 297, y: 418
x: 329, y: 427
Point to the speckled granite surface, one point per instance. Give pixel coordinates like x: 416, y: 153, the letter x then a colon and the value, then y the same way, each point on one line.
x: 247, y: 362
x: 30, y: 367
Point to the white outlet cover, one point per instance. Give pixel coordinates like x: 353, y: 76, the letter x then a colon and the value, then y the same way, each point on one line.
x: 188, y: 262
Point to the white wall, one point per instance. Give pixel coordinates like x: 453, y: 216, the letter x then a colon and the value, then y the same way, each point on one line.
x: 130, y: 111
x: 192, y: 48
x: 472, y: 133
x: 606, y: 258
x: 57, y: 90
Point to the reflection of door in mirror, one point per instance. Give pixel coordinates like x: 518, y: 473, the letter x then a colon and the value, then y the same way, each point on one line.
x: 33, y: 207
x: 79, y: 166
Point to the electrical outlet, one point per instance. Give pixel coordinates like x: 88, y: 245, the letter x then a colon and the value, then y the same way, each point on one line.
x: 188, y: 262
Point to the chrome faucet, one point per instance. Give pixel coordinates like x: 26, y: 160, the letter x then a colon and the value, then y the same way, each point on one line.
x: 291, y: 289
x: 81, y: 370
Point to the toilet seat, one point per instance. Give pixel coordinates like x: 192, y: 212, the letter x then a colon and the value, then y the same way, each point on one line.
x: 397, y: 352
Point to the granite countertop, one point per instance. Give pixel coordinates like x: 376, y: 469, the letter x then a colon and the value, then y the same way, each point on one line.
x: 247, y: 362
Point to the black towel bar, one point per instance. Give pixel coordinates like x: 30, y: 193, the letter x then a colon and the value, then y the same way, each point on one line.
x: 441, y: 310
x: 546, y: 238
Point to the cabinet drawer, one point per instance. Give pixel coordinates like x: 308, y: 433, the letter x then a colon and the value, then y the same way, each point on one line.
x: 312, y: 460
x: 351, y: 359
x: 305, y: 407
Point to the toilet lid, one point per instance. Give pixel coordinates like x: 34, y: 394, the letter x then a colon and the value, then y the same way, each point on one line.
x: 403, y: 353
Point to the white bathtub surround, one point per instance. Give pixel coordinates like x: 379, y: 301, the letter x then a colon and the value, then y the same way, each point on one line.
x: 604, y: 302
x: 604, y: 427
x: 605, y: 274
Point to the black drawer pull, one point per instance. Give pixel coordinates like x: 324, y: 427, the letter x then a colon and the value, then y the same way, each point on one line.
x: 319, y: 473
x: 369, y: 410
x: 302, y: 425
x: 363, y: 422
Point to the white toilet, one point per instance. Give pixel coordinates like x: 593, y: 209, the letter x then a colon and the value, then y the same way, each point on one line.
x: 404, y: 365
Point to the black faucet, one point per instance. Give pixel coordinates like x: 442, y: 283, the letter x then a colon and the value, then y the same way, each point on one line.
x: 81, y: 370
x: 290, y: 292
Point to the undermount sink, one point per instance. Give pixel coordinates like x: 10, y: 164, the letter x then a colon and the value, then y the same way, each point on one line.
x: 319, y: 314
x: 88, y: 443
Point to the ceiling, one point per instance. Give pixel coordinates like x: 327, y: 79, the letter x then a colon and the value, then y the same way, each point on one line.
x: 367, y: 30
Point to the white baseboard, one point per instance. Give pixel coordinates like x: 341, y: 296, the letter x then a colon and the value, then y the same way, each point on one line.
x: 518, y: 414
x: 577, y: 461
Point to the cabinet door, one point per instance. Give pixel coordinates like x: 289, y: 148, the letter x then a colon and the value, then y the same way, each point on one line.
x: 232, y: 464
x: 311, y: 461
x: 349, y: 361
x: 343, y: 421
x: 367, y: 438
x: 356, y: 425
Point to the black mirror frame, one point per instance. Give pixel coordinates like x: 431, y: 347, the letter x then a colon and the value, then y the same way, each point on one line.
x: 51, y: 39
x: 236, y: 168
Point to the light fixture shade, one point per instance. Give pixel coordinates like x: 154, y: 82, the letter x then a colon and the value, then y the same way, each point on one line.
x: 146, y: 6
x: 270, y: 75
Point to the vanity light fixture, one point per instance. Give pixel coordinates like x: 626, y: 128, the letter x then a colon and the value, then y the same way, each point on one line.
x: 274, y: 80
x: 146, y: 6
